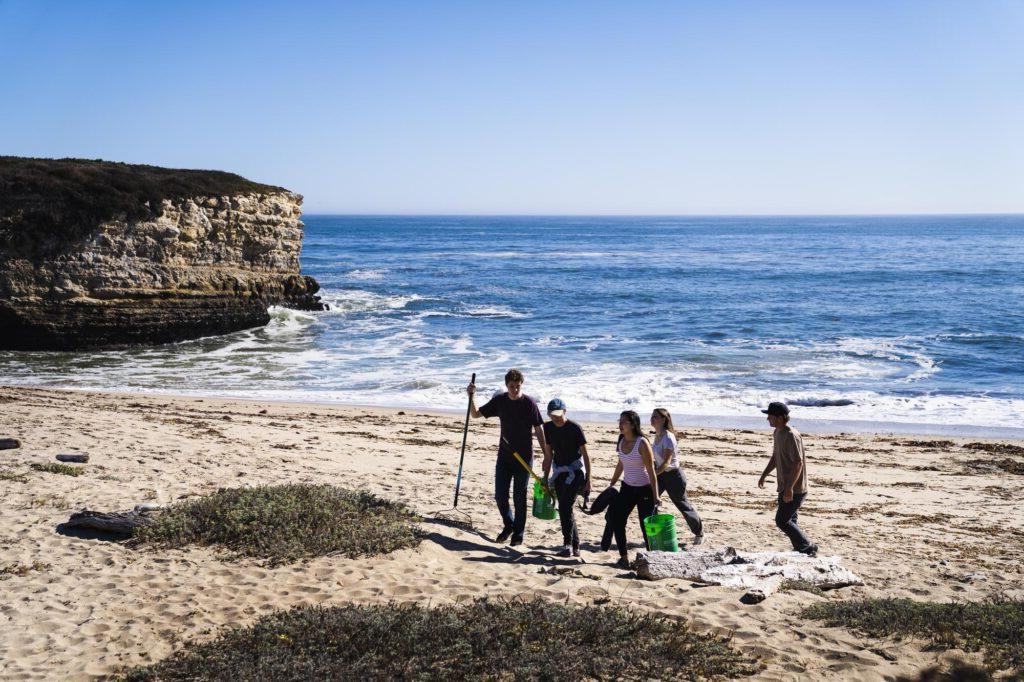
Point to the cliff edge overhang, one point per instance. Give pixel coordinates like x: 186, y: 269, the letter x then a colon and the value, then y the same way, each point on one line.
x: 97, y: 253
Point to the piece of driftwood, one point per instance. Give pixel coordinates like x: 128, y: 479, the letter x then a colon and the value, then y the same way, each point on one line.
x: 750, y: 569
x: 79, y: 457
x: 9, y: 443
x: 759, y: 573
x: 115, y: 523
x: 767, y: 587
x: 659, y: 565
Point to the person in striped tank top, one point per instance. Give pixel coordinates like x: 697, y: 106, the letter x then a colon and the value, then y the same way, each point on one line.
x: 639, y: 482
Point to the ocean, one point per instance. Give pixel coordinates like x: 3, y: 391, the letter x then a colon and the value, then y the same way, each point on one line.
x: 859, y: 323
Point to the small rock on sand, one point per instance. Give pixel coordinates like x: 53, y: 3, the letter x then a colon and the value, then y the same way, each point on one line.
x: 79, y: 457
x: 9, y: 443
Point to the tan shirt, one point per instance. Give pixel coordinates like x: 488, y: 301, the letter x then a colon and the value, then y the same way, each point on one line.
x: 788, y: 453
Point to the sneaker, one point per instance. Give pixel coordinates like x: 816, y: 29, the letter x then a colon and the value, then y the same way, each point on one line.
x: 809, y: 550
x: 698, y: 540
x: 516, y: 541
x: 504, y: 535
x: 623, y: 562
x: 576, y: 553
x: 566, y: 552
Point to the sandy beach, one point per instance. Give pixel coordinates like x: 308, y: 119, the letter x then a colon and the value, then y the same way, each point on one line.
x: 913, y: 516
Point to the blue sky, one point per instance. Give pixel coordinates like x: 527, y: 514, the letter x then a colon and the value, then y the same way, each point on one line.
x: 538, y: 107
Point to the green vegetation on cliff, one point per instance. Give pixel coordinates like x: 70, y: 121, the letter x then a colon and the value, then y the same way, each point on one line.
x: 66, y: 198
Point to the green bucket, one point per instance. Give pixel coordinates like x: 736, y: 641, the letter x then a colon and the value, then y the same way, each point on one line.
x: 661, y: 533
x: 543, y: 504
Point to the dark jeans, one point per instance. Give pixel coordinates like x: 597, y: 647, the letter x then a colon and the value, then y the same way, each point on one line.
x: 566, y: 494
x: 510, y: 473
x: 674, y: 481
x: 641, y: 497
x: 785, y: 519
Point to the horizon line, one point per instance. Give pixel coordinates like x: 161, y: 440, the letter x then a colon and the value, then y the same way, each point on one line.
x: 661, y: 215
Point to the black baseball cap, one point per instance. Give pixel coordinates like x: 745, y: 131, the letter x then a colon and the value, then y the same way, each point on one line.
x: 777, y: 409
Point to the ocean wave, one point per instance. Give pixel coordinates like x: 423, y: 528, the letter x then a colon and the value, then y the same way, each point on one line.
x: 483, y: 311
x: 820, y: 402
x: 367, y: 274
x: 359, y: 301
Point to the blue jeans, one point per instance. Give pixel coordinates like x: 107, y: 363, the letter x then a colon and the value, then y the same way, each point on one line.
x: 510, y: 473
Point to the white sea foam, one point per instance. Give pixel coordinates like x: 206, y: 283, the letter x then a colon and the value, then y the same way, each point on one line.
x: 367, y: 274
x: 358, y: 301
x: 491, y: 311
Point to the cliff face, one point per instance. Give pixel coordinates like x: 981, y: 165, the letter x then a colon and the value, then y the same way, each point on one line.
x: 175, y: 268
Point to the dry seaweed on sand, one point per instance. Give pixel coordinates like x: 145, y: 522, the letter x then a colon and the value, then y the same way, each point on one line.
x: 21, y: 570
x: 285, y: 523
x: 486, y: 639
x: 12, y: 475
x: 994, y: 627
x: 58, y: 468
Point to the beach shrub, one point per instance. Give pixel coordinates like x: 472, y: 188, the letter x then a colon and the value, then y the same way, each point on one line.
x: 58, y: 468
x: 284, y: 523
x: 994, y: 627
x: 486, y: 639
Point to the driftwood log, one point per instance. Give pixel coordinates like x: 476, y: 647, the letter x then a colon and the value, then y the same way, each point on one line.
x: 114, y: 523
x: 79, y: 457
x: 760, y: 573
x: 766, y: 588
x: 9, y: 443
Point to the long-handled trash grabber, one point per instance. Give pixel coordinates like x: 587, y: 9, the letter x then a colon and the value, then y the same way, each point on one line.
x: 543, y: 483
x: 455, y: 515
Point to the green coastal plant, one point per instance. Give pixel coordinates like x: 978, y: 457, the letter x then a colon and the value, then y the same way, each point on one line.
x: 994, y: 627
x: 285, y: 523
x: 486, y: 639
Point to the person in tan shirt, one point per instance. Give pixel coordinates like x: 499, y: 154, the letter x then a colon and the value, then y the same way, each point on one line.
x: 789, y: 461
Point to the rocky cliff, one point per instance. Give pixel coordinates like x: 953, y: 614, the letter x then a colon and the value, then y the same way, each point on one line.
x: 95, y: 253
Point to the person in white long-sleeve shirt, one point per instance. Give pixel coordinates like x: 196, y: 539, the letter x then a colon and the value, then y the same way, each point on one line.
x: 670, y: 472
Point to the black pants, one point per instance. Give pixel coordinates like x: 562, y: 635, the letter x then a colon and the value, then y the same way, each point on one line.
x: 674, y: 481
x: 510, y: 473
x: 566, y: 493
x: 785, y: 519
x: 641, y: 497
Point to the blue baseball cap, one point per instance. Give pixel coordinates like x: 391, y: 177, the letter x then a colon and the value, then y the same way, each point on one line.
x: 556, y: 407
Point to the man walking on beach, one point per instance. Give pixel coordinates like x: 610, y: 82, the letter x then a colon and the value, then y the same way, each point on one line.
x: 520, y: 421
x: 791, y: 465
x: 567, y: 449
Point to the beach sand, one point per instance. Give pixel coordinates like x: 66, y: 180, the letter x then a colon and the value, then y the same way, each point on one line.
x: 912, y: 516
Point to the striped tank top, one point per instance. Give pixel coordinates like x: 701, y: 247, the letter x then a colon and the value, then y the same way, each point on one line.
x: 633, y: 471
